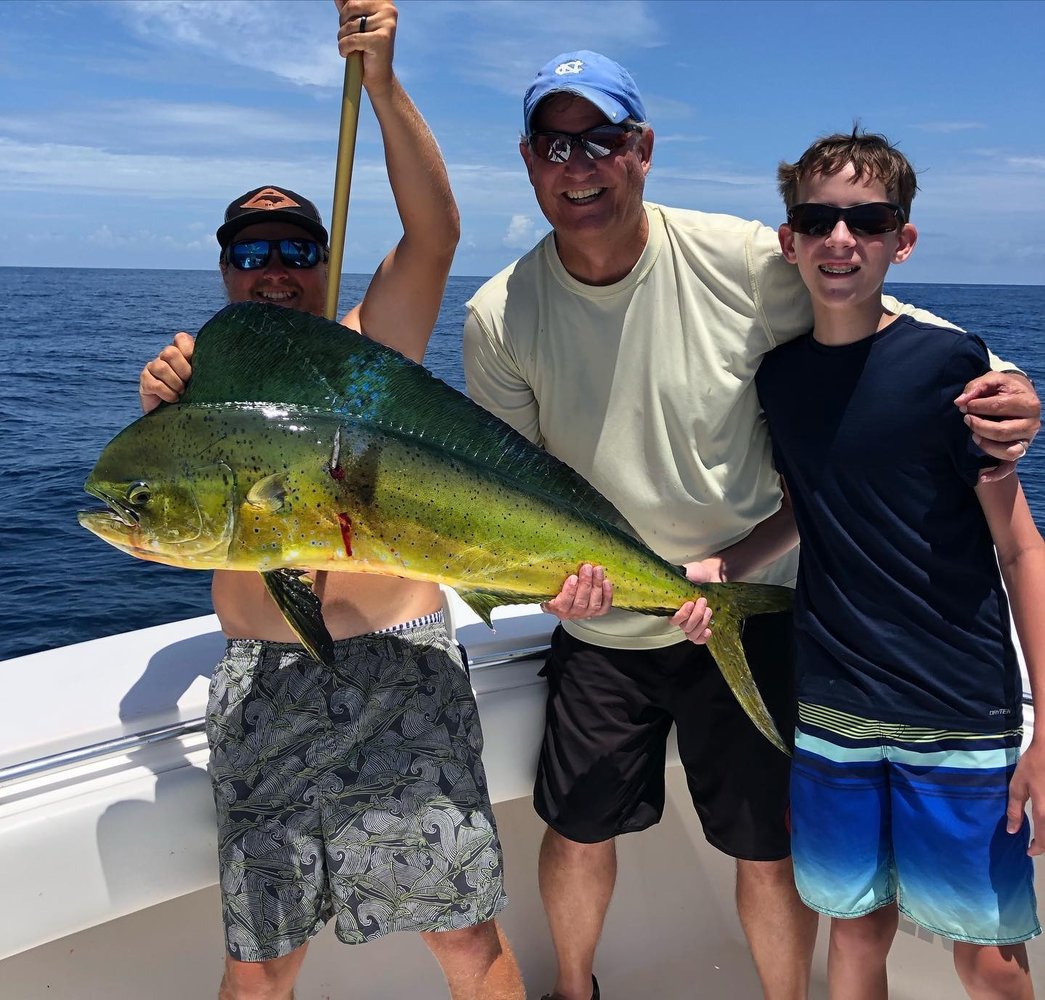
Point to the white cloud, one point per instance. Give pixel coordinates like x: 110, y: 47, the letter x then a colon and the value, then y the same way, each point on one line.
x: 67, y: 169
x: 1029, y: 162
x: 679, y: 137
x: 663, y: 109
x: 522, y: 233
x: 145, y: 125
x: 505, y: 43
x: 719, y: 178
x: 247, y: 34
x: 946, y: 127
x: 105, y: 236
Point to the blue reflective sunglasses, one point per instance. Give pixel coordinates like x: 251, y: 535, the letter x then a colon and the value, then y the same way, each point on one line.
x: 557, y: 147
x: 253, y: 255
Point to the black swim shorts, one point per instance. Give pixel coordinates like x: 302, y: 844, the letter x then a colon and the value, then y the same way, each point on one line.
x: 355, y: 793
x: 609, y: 713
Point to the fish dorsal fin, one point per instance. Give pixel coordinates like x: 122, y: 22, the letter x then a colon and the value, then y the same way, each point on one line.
x: 253, y: 353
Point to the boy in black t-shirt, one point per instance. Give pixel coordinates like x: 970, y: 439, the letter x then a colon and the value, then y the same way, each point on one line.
x: 907, y: 785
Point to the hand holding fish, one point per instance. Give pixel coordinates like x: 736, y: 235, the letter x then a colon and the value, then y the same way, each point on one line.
x: 694, y: 617
x: 163, y: 379
x: 1028, y: 782
x: 585, y: 594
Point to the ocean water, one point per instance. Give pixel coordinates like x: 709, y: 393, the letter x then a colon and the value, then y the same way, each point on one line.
x: 74, y: 341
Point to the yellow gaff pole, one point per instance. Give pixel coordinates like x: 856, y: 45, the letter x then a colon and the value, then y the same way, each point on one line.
x: 346, y: 150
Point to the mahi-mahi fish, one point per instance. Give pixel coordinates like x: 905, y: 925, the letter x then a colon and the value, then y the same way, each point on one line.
x: 299, y: 446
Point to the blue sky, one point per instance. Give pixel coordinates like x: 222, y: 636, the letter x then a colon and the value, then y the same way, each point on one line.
x: 127, y: 125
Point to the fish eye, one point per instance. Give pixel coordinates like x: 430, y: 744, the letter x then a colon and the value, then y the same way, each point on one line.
x: 139, y: 494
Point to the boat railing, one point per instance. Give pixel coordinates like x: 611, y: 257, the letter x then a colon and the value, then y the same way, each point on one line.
x: 134, y: 742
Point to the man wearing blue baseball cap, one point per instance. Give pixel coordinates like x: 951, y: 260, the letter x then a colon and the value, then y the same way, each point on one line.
x: 626, y: 343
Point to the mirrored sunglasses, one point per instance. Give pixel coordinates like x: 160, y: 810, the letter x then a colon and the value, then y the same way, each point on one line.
x: 871, y: 219
x: 556, y: 147
x: 252, y: 255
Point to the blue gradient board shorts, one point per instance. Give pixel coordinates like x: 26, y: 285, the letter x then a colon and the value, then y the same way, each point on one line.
x: 885, y: 812
x: 355, y: 793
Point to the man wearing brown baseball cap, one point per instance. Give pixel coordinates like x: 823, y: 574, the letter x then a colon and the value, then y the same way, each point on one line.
x: 301, y: 839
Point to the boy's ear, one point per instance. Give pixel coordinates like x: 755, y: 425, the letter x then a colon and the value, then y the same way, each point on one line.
x: 905, y: 241
x: 787, y: 243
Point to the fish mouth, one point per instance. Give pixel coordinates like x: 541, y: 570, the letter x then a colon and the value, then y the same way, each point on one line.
x: 123, y: 512
x: 117, y: 523
x: 112, y: 528
x: 118, y: 526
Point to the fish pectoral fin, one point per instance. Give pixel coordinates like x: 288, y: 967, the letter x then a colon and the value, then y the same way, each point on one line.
x: 302, y: 610
x: 482, y: 602
x: 725, y: 646
x: 268, y: 494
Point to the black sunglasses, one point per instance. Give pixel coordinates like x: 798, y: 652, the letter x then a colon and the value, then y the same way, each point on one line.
x: 252, y: 255
x: 557, y: 147
x: 872, y: 219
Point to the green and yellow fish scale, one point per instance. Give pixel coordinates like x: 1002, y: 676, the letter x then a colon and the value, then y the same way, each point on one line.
x: 300, y: 445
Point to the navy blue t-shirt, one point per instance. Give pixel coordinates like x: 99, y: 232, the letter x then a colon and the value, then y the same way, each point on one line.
x: 900, y: 614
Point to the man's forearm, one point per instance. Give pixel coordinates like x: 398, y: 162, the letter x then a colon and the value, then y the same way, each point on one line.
x: 416, y: 173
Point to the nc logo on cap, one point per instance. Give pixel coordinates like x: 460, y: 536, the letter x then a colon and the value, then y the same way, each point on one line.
x: 569, y: 68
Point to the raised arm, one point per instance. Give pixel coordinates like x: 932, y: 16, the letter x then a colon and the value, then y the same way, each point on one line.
x: 401, y: 304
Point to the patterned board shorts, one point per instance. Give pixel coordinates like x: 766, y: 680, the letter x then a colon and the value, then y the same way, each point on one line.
x: 356, y: 793
x: 884, y: 813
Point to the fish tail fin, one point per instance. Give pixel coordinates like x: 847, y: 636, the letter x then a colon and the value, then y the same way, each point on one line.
x: 731, y: 604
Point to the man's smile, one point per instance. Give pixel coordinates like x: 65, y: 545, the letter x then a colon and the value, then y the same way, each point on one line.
x: 584, y: 197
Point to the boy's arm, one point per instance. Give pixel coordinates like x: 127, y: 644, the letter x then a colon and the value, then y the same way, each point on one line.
x: 1002, y: 409
x: 1021, y: 556
x: 401, y: 304
x: 1003, y: 412
x: 768, y: 541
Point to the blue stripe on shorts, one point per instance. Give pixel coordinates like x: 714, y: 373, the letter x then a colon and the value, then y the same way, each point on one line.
x: 883, y: 812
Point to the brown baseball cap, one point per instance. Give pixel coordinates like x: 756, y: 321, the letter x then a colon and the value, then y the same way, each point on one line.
x: 271, y: 204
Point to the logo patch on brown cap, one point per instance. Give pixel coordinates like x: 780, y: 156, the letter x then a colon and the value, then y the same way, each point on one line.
x: 270, y: 198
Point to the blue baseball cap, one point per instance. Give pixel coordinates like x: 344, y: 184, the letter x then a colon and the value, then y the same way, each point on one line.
x: 606, y: 84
